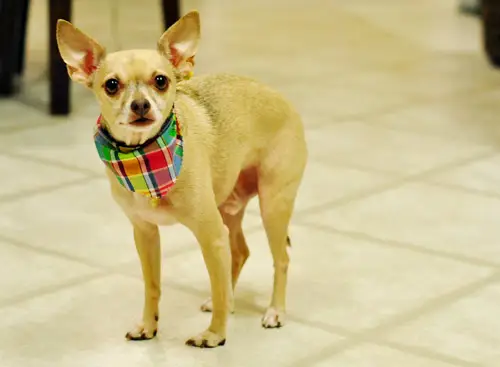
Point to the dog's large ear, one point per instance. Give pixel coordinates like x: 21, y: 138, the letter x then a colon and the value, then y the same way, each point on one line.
x: 179, y: 43
x: 81, y: 53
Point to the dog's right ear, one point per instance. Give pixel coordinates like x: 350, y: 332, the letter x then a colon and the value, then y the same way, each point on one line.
x: 81, y: 53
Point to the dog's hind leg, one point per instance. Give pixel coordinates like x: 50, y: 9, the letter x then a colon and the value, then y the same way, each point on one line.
x: 276, y: 211
x: 280, y: 175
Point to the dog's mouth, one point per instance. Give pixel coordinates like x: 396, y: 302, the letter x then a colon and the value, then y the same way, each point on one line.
x: 142, y: 122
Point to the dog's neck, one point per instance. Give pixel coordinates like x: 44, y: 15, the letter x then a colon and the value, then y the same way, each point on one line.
x: 127, y: 140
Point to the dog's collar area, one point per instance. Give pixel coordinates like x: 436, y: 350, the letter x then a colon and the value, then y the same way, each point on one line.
x: 150, y: 169
x: 127, y: 148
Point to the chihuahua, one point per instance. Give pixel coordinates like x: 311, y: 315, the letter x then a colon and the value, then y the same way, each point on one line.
x: 192, y: 151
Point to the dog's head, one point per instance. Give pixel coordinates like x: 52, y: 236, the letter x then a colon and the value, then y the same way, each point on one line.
x: 135, y: 88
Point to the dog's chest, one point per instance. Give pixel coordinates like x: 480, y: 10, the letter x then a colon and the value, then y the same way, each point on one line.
x: 160, y: 214
x: 138, y: 206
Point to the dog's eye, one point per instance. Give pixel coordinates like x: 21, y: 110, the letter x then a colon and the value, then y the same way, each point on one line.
x: 161, y: 82
x: 112, y: 86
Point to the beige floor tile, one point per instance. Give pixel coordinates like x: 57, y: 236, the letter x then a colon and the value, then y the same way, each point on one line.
x: 24, y: 177
x: 70, y: 142
x: 334, y: 280
x: 339, y: 102
x: 467, y: 329
x: 431, y: 217
x: 434, y: 25
x: 17, y: 116
x: 481, y: 175
x: 368, y: 355
x: 385, y: 150
x: 84, y: 222
x: 25, y: 272
x: 465, y: 119
x: 86, y: 327
x: 434, y: 79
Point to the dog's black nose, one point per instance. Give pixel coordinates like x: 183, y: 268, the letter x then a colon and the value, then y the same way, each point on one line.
x: 140, y: 106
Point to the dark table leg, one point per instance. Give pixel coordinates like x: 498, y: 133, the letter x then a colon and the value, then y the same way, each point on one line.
x: 59, y: 79
x: 21, y: 30
x: 171, y: 12
x: 9, y: 10
x: 491, y: 30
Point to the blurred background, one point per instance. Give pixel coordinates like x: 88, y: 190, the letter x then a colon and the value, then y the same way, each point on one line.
x: 396, y: 242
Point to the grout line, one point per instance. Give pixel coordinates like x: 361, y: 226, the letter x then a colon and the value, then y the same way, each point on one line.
x: 43, y: 291
x: 359, y: 167
x: 371, y: 334
x: 49, y: 252
x: 353, y: 337
x: 463, y: 189
x: 412, y: 102
x: 429, y: 354
x: 359, y: 117
x: 400, y: 245
x: 100, y: 268
x: 428, y: 134
x: 393, y: 184
x: 44, y: 190
x: 101, y: 271
x: 118, y: 268
x: 416, y: 351
x: 353, y: 340
x: 51, y: 163
x: 18, y: 129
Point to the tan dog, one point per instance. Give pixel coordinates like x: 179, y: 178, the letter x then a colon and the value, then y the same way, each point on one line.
x: 241, y: 139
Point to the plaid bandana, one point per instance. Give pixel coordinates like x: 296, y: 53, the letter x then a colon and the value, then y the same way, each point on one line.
x: 150, y: 169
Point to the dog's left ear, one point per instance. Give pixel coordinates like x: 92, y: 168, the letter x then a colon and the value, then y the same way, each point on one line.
x: 179, y: 43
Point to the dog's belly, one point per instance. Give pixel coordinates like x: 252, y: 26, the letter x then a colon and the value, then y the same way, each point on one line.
x: 245, y: 188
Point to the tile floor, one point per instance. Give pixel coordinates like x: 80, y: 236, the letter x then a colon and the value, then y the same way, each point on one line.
x: 396, y: 256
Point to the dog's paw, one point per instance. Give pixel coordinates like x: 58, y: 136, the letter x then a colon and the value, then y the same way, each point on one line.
x: 207, y: 339
x: 207, y: 306
x: 273, y: 319
x: 140, y: 332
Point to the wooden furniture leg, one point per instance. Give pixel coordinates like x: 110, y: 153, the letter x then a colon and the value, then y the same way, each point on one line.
x: 171, y: 12
x: 8, y: 13
x: 59, y: 79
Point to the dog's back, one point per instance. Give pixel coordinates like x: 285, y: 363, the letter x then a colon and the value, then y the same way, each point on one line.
x: 251, y: 120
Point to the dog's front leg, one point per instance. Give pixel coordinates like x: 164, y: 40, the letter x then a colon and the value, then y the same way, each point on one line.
x: 213, y: 237
x: 147, y: 242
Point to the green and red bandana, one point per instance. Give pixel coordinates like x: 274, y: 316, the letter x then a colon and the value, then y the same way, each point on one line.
x: 150, y: 169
